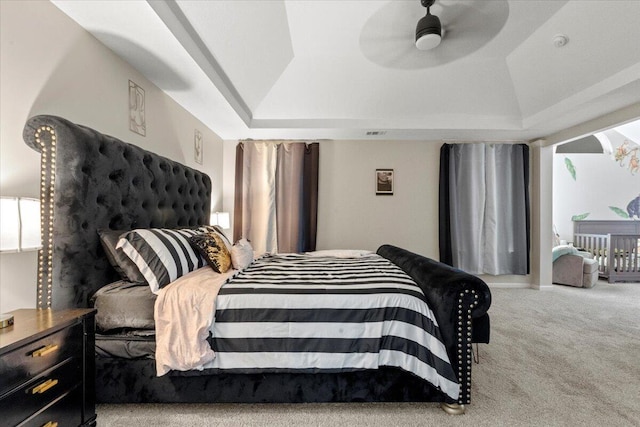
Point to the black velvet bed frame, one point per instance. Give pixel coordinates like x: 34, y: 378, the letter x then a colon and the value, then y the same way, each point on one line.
x: 91, y: 181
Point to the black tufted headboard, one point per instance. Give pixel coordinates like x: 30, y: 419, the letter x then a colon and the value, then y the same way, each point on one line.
x: 90, y: 181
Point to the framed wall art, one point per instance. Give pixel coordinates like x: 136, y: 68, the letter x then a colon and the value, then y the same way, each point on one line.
x: 384, y: 182
x: 197, y: 147
x: 137, y: 119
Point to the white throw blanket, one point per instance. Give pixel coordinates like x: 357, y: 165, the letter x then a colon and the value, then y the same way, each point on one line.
x: 184, y: 312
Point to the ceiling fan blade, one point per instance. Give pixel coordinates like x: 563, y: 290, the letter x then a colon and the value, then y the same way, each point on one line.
x: 388, y: 37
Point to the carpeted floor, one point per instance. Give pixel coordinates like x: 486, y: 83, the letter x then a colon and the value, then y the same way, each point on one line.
x: 558, y: 357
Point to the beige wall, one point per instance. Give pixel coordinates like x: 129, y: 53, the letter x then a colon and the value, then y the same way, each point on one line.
x: 50, y: 65
x: 350, y: 215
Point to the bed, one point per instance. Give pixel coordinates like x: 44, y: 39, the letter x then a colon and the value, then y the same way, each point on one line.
x: 614, y: 244
x: 94, y: 184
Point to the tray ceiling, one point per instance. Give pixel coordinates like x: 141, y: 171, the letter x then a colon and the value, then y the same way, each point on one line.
x: 340, y: 69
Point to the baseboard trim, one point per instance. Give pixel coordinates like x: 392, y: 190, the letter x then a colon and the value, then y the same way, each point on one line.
x: 510, y: 285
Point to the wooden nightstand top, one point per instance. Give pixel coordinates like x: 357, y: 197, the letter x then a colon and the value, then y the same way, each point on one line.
x: 32, y: 323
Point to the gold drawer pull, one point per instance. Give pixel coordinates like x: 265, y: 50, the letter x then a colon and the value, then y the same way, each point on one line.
x: 45, y: 350
x: 51, y: 424
x: 41, y: 388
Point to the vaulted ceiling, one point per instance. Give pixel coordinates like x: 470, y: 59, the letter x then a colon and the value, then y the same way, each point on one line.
x: 344, y: 69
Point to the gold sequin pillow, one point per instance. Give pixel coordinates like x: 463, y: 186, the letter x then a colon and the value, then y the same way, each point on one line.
x: 212, y: 248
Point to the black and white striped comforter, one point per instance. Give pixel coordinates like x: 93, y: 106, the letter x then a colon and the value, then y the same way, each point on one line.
x: 304, y: 313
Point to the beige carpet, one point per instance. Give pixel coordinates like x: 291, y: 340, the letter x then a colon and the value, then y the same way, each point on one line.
x: 559, y: 357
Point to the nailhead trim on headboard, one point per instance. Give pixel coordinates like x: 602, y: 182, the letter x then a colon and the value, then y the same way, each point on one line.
x: 45, y: 137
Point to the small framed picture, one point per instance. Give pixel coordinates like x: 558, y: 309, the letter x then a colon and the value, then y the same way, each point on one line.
x: 197, y: 147
x: 137, y: 118
x: 384, y: 182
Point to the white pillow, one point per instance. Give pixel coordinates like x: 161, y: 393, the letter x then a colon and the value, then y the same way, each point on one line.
x: 341, y: 253
x: 241, y: 254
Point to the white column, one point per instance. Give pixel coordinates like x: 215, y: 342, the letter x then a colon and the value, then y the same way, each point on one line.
x: 541, y: 214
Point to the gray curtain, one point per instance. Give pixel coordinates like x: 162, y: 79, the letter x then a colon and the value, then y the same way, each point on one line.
x: 484, y: 208
x: 276, y: 195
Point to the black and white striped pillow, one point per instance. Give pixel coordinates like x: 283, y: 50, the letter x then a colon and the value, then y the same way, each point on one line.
x: 162, y: 255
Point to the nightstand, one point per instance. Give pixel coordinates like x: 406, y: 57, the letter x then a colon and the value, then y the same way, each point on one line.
x: 47, y: 368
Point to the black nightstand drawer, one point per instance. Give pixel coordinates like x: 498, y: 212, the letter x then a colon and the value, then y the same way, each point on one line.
x: 51, y: 351
x: 40, y: 392
x: 28, y: 361
x: 64, y: 412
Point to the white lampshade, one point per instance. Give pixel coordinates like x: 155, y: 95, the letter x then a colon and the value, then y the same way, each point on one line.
x: 19, y: 224
x: 221, y: 219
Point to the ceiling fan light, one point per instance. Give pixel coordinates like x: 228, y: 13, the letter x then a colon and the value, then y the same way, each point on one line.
x: 428, y: 41
x: 428, y: 32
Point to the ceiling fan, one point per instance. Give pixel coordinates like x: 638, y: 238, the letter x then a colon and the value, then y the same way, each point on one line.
x: 429, y: 29
x: 390, y: 38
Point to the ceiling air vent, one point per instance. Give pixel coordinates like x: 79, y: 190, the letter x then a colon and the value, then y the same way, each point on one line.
x: 376, y: 132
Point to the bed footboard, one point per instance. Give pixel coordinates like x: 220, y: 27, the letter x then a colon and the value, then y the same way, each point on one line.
x: 456, y: 298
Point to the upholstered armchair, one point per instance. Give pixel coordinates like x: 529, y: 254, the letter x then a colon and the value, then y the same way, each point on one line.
x: 574, y: 268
